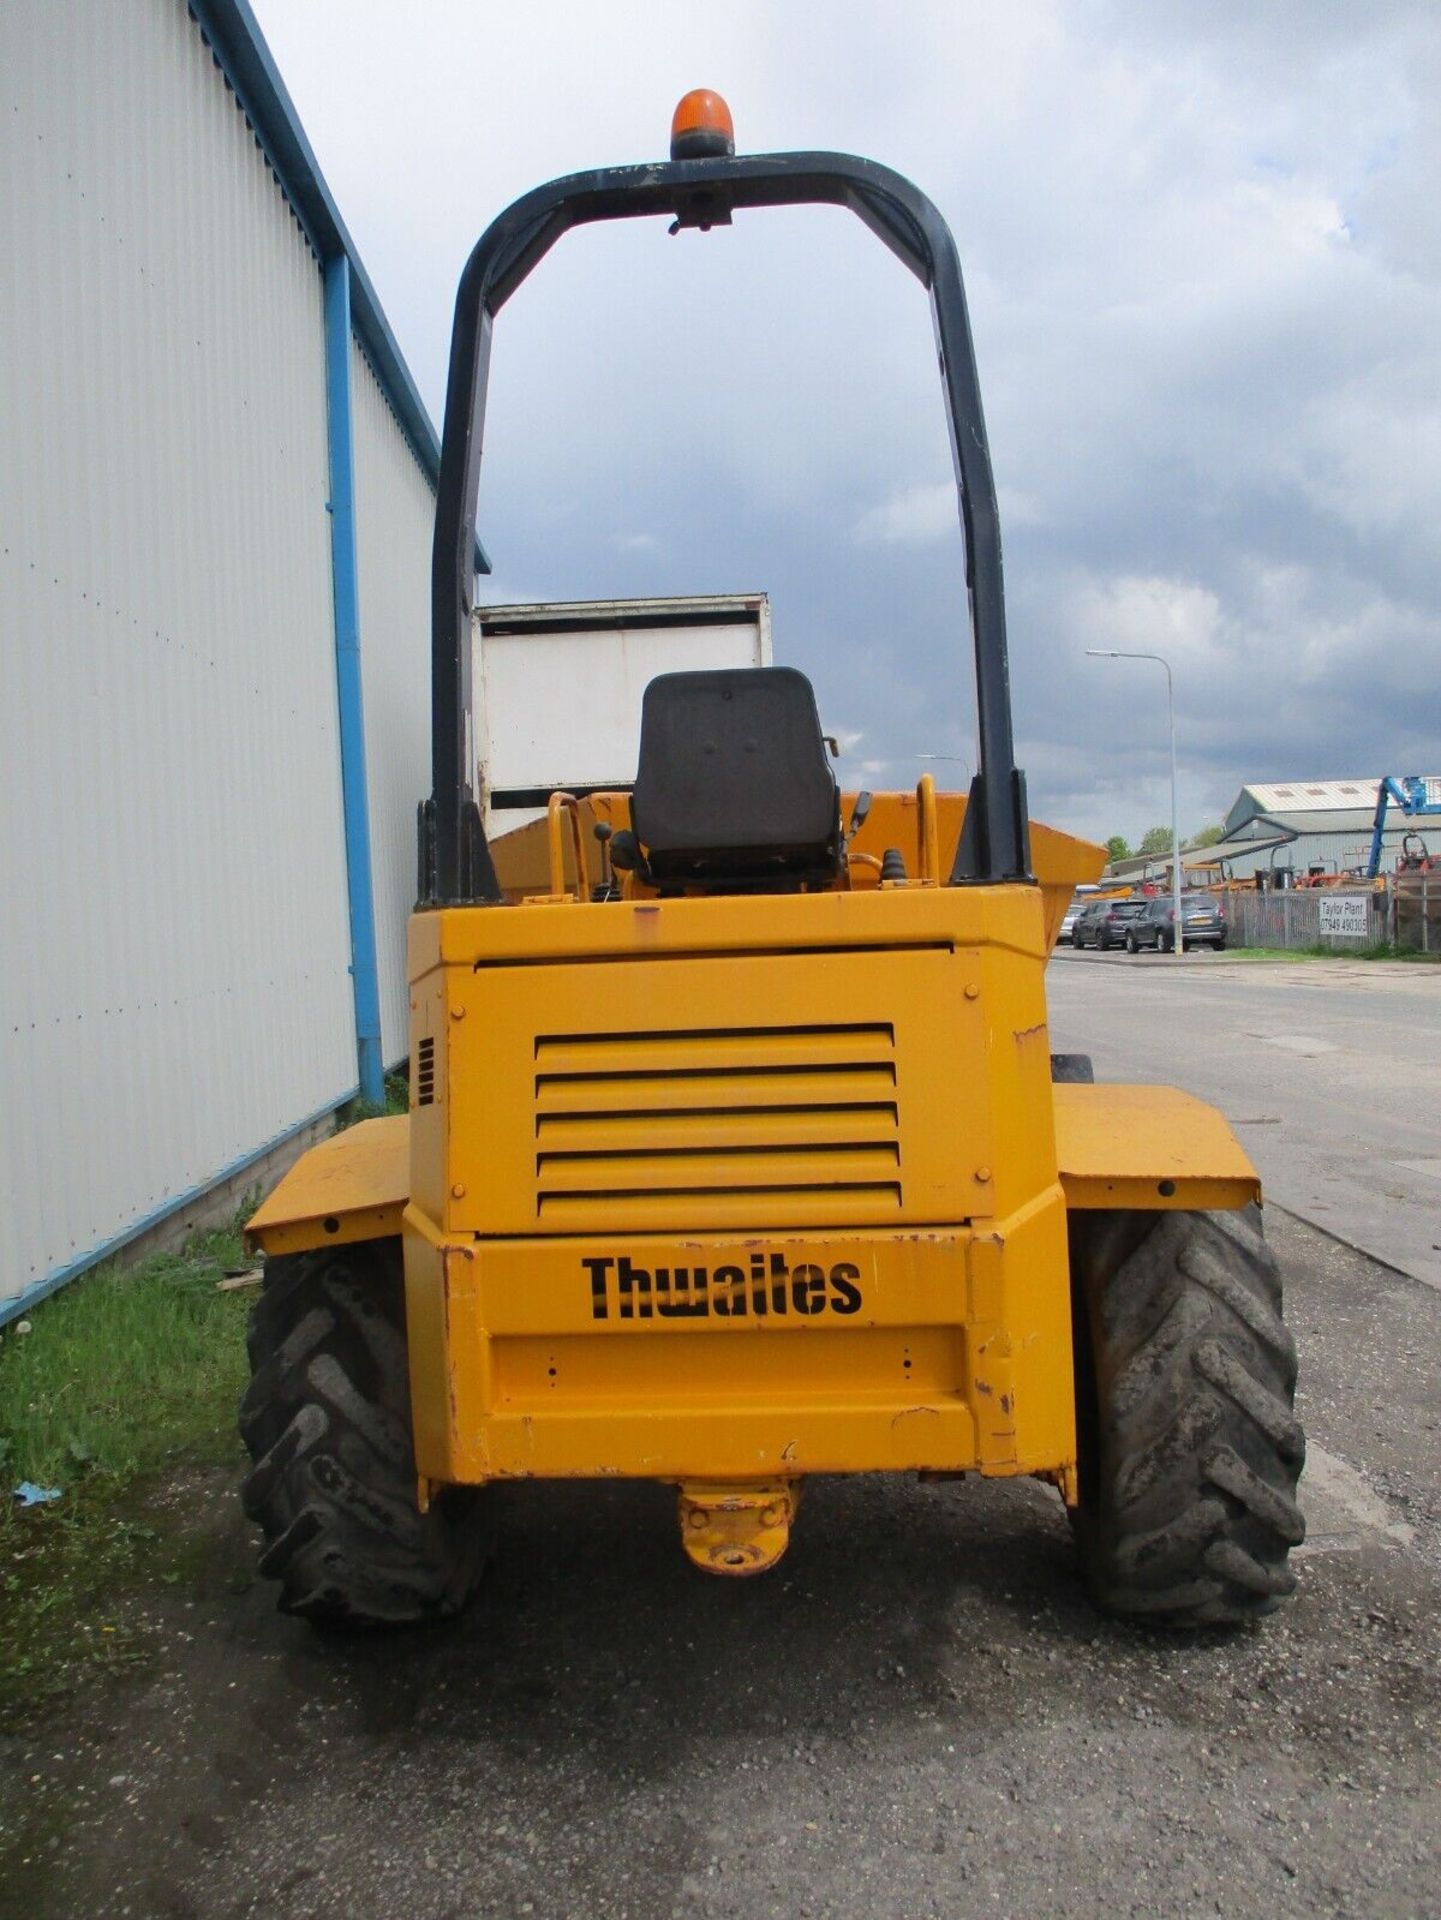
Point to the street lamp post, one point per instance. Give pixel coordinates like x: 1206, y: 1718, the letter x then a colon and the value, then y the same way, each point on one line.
x: 1116, y: 653
x: 950, y: 759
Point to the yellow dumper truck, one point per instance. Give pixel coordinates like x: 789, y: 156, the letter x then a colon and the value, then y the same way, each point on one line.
x: 736, y: 1148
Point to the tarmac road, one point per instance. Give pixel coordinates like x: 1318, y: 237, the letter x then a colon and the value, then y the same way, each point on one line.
x: 916, y: 1714
x: 1329, y: 1070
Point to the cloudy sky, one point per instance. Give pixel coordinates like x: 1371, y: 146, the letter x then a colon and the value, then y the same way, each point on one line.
x: 1202, y: 242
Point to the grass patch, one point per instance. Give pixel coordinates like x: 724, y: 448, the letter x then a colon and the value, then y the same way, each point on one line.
x: 124, y: 1366
x: 125, y: 1377
x: 1272, y: 953
x: 397, y: 1100
x: 1381, y: 951
x: 124, y: 1387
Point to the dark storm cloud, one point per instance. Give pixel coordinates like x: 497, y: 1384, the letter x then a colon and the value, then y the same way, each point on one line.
x: 1203, y: 250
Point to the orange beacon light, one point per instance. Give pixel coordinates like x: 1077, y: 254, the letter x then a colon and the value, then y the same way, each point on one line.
x: 701, y: 127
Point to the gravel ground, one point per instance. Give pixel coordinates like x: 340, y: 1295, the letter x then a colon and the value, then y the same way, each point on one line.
x: 916, y: 1714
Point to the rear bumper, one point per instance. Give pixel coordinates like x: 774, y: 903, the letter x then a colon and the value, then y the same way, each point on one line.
x: 744, y: 1358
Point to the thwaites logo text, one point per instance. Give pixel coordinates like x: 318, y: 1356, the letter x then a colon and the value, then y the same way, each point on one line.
x: 768, y: 1286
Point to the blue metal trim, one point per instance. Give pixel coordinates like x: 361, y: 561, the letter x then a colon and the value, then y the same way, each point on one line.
x: 239, y: 46
x: 12, y: 1309
x: 349, y: 688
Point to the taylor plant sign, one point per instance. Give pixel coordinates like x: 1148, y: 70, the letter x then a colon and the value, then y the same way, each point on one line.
x: 1346, y: 915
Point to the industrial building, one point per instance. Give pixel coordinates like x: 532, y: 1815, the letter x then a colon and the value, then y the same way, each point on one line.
x: 1302, y: 827
x: 1294, y: 829
x: 215, y: 522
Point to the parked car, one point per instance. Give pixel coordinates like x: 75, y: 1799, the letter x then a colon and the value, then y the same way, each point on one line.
x: 1084, y: 896
x: 1103, y: 924
x: 1203, y: 924
x: 1083, y: 922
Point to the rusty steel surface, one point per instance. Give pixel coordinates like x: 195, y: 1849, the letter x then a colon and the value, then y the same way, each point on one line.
x: 737, y: 1529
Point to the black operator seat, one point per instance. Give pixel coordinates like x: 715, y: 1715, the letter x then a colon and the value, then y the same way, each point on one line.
x: 734, y: 788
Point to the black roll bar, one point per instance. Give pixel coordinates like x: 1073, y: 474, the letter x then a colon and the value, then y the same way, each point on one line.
x: 455, y: 862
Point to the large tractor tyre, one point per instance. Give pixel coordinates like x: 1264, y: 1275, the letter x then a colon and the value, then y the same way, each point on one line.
x: 1189, y: 1449
x: 326, y: 1418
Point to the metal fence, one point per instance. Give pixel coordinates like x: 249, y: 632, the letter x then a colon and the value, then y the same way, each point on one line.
x: 1407, y: 913
x: 1415, y: 903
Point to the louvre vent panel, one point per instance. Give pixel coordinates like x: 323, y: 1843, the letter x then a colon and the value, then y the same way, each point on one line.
x: 715, y: 1090
x: 692, y: 1051
x: 716, y: 1121
x: 704, y: 1128
x: 690, y: 1167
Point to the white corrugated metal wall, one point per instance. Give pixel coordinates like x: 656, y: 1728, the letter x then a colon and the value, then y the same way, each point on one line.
x: 176, y: 975
x: 394, y: 497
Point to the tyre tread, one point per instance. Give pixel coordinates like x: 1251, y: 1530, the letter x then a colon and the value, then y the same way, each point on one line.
x: 1191, y: 1451
x: 326, y: 1419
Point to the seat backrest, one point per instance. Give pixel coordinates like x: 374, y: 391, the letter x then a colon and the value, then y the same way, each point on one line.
x: 734, y: 785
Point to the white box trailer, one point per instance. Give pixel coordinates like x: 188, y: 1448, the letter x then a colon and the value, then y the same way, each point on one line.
x: 558, y: 686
